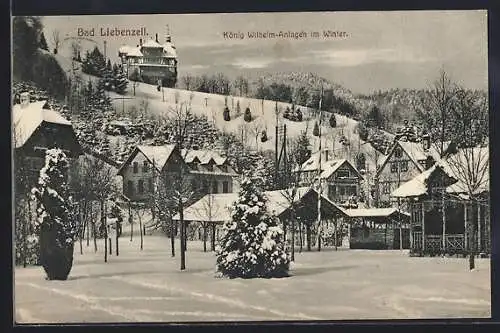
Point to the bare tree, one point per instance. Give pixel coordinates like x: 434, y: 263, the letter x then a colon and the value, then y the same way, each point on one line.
x: 56, y: 39
x: 470, y: 163
x: 435, y: 110
x: 208, y: 210
x: 188, y: 81
x: 98, y: 178
x: 75, y: 49
x: 256, y: 128
x: 140, y: 210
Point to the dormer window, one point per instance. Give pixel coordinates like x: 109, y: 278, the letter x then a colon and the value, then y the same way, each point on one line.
x: 398, y: 152
x: 145, y: 166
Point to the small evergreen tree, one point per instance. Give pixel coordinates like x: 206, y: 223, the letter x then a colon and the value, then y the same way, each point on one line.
x: 362, y: 131
x: 226, y: 115
x: 316, y: 129
x: 333, y: 121
x: 238, y: 108
x: 252, y: 245
x: 56, y: 222
x: 263, y: 136
x: 298, y: 115
x: 43, y: 42
x: 120, y: 81
x: 248, y: 115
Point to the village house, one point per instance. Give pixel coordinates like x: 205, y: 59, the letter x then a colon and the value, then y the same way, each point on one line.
x: 340, y: 179
x: 205, y: 171
x: 36, y: 129
x: 449, y: 205
x: 404, y: 161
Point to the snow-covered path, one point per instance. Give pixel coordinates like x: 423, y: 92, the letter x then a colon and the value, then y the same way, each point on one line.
x: 147, y: 286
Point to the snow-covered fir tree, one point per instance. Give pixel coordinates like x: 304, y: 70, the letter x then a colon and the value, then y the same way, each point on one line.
x: 56, y: 222
x: 120, y: 81
x: 252, y: 245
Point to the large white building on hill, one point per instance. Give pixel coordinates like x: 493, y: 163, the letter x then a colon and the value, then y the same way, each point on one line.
x: 151, y: 60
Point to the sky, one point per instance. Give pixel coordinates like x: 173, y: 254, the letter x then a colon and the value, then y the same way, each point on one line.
x: 375, y: 50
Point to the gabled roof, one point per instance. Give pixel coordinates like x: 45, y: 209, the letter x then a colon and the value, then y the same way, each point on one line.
x: 152, y: 43
x: 158, y: 155
x: 419, y: 185
x: 134, y: 52
x: 169, y: 50
x: 414, y: 150
x: 204, y: 156
x: 328, y: 167
x: 26, y: 120
x: 221, y: 205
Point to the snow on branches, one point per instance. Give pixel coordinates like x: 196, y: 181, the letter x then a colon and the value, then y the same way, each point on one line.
x: 54, y: 203
x: 252, y: 245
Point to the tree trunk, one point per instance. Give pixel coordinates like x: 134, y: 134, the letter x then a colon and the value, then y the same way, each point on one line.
x: 308, y: 237
x: 182, y: 234
x: 173, y: 227
x: 336, y: 235
x: 204, y: 225
x: 88, y: 224
x: 213, y: 237
x: 81, y: 230
x: 141, y: 232
x: 103, y: 223
x: 117, y: 236
x: 301, y: 238
x: 94, y: 234
x: 472, y: 243
x: 293, y: 235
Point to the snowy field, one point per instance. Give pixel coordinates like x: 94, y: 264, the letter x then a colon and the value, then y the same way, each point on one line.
x: 147, y: 286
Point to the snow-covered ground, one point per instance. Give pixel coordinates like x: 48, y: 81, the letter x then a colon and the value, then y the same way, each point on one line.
x: 147, y: 286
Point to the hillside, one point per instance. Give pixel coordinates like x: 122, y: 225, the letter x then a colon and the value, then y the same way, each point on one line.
x: 161, y: 103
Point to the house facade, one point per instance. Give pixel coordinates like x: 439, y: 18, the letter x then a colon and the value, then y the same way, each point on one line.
x: 404, y: 161
x: 204, y: 171
x: 152, y: 60
x: 36, y: 129
x: 340, y: 179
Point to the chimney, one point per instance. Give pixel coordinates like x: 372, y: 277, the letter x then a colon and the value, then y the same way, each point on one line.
x: 325, y: 155
x: 168, y: 39
x: 25, y: 99
x: 140, y: 42
x: 156, y: 37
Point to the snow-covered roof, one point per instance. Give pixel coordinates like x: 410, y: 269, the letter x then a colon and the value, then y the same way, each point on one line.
x: 27, y: 119
x: 124, y: 49
x: 415, y: 152
x: 204, y: 156
x: 221, y: 205
x: 372, y: 212
x: 454, y: 167
x: 169, y: 50
x: 134, y: 52
x: 328, y: 167
x: 157, y: 154
x: 151, y: 43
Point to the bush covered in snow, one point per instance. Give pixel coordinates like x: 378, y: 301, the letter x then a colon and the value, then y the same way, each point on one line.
x: 252, y: 245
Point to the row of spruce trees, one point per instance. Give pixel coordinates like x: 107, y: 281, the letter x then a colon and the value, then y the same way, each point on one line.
x: 113, y: 76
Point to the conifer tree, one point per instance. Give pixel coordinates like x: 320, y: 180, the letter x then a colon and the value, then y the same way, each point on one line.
x: 120, y: 81
x: 248, y: 115
x: 252, y: 245
x: 43, y: 42
x: 316, y: 129
x: 56, y: 222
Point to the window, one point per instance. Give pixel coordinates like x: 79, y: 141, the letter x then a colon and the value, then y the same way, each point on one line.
x: 398, y: 152
x: 225, y: 187
x: 342, y: 191
x: 130, y: 188
x: 353, y: 190
x: 205, y: 186
x: 386, y: 188
x: 150, y: 184
x: 332, y: 191
x: 404, y: 166
x: 140, y: 186
x: 215, y: 187
x: 136, y: 167
x: 343, y: 174
x: 145, y: 166
x: 394, y: 166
